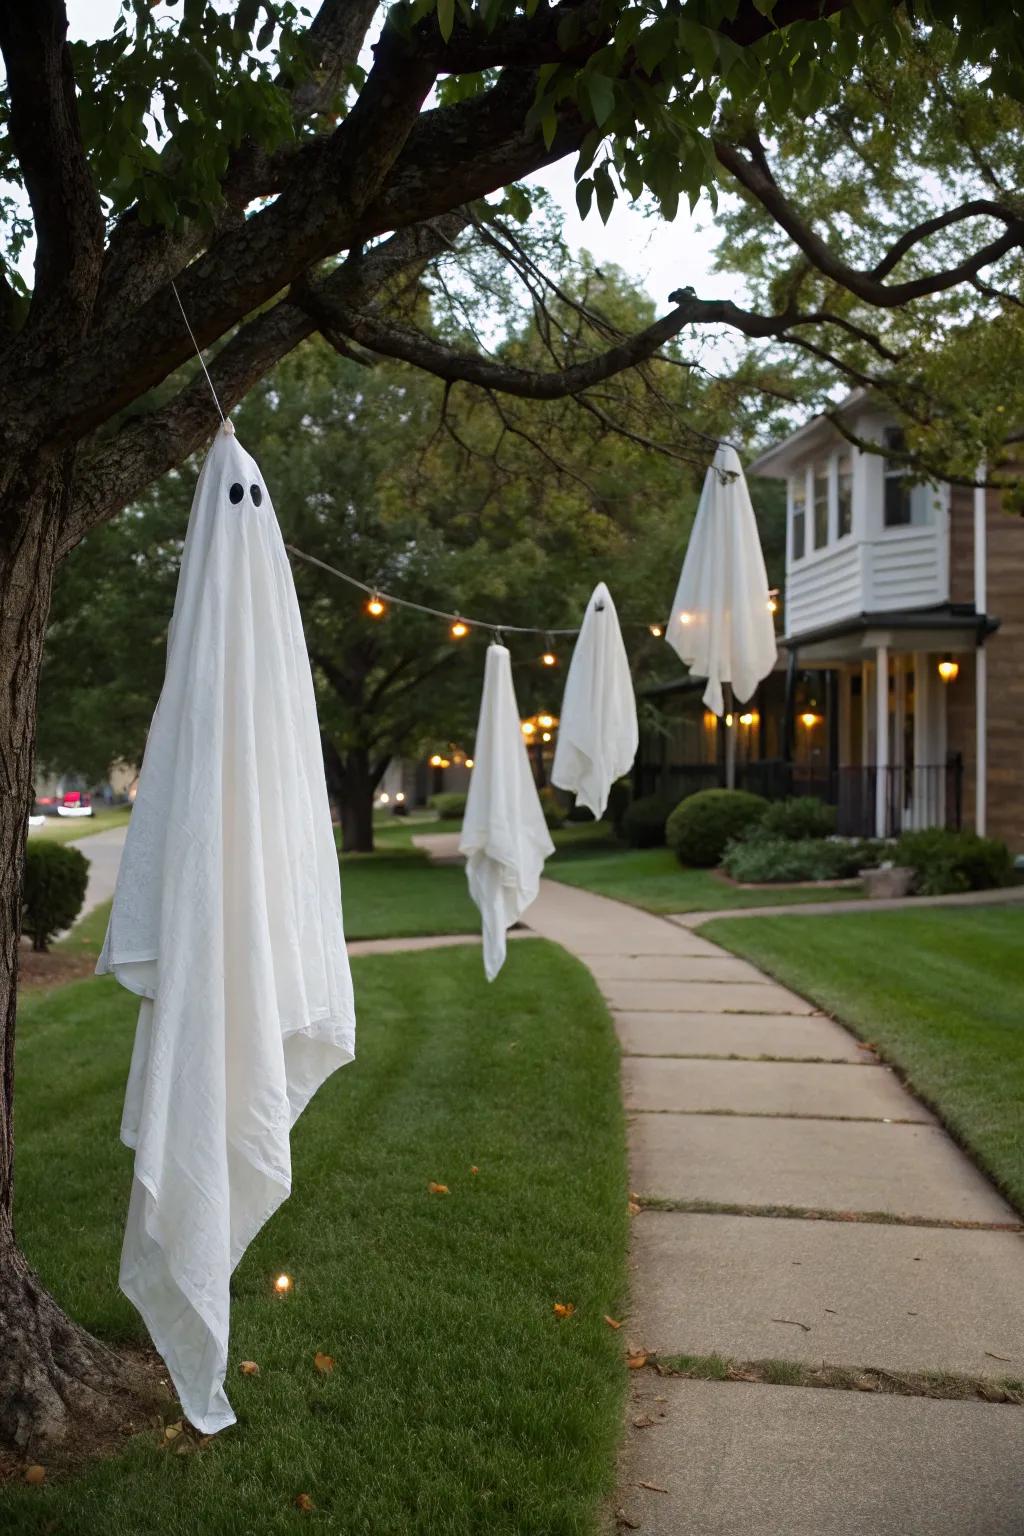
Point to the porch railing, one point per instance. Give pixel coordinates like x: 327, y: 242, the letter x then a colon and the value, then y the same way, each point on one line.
x: 925, y: 795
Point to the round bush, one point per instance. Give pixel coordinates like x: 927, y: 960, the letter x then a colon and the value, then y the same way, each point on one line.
x: 554, y: 810
x: 643, y: 821
x: 450, y: 806
x: 701, y: 825
x: 53, y: 889
x: 797, y: 819
x: 776, y: 860
x: 620, y: 797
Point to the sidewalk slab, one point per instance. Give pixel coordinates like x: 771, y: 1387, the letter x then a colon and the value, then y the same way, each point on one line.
x: 357, y: 947
x: 741, y: 1459
x: 899, y: 1298
x: 678, y: 969
x: 736, y: 1034
x: 701, y: 996
x: 995, y: 898
x: 103, y: 851
x: 768, y: 1088
x: 836, y: 1165
x: 591, y: 925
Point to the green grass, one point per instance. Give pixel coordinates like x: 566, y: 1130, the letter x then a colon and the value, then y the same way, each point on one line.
x: 938, y: 992
x: 654, y: 879
x: 70, y: 829
x: 458, y: 1403
x: 398, y: 893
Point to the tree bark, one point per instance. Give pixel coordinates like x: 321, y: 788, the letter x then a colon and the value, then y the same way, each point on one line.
x: 357, y: 786
x: 51, y: 1371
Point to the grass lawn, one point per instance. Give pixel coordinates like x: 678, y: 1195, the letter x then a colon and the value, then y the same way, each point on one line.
x: 397, y: 892
x: 458, y: 1403
x: 938, y: 992
x: 653, y: 878
x: 69, y: 829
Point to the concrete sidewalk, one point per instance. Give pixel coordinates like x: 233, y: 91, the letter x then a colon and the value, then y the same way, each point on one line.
x: 741, y: 1099
x: 103, y: 850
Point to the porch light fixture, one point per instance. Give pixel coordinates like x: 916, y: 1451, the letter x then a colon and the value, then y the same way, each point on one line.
x: 949, y: 670
x: 809, y: 718
x: 399, y: 798
x: 748, y: 718
x: 384, y: 797
x: 545, y: 736
x: 528, y: 727
x: 773, y: 600
x: 547, y: 721
x: 435, y: 761
x: 728, y: 720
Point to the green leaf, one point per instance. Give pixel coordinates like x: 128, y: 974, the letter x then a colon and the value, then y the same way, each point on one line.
x: 605, y: 190
x: 549, y: 127
x: 584, y: 196
x: 601, y: 92
x: 446, y: 17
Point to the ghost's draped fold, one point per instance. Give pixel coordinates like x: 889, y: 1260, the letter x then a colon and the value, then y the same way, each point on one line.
x: 227, y: 922
x: 504, y: 835
x: 597, y: 732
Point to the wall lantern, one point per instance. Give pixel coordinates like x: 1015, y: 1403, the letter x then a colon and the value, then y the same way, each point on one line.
x: 949, y: 670
x: 809, y: 718
x: 748, y: 718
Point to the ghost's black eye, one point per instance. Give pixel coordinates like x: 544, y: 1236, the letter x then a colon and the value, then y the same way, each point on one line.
x: 257, y: 495
x: 236, y: 493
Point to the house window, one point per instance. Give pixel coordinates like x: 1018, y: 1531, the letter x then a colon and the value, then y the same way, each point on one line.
x: 898, y: 489
x: 844, y: 481
x: 799, y: 501
x: 821, y: 478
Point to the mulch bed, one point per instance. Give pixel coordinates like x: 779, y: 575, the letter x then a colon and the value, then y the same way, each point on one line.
x: 51, y: 969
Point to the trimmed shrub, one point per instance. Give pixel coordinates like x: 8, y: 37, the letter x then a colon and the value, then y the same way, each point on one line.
x: 702, y: 825
x: 775, y: 860
x: 944, y: 862
x: 450, y: 806
x: 643, y: 821
x: 52, y: 891
x: 797, y: 819
x: 554, y: 810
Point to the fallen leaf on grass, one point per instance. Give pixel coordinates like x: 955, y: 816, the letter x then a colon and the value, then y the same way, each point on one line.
x: 323, y: 1363
x: 637, y: 1360
x: 611, y: 1322
x: 248, y: 1367
x: 437, y: 1189
x: 35, y: 1475
x: 305, y: 1503
x: 634, y: 1209
x: 564, y: 1308
x: 172, y: 1431
x: 474, y: 1169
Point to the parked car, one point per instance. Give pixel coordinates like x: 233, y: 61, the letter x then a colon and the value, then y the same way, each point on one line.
x: 74, y: 803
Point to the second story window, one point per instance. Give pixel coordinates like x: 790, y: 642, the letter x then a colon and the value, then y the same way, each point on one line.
x: 799, y: 496
x: 844, y: 486
x: 820, y: 506
x: 898, y: 511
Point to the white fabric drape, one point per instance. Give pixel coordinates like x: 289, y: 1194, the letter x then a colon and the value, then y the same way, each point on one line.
x: 227, y: 923
x: 721, y: 624
x: 504, y: 836
x: 597, y: 732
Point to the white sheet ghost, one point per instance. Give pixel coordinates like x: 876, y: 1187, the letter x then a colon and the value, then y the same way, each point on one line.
x: 597, y: 733
x: 721, y: 624
x: 504, y: 835
x: 227, y: 923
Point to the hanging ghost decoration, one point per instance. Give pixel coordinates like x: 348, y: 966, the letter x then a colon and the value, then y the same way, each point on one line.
x: 227, y: 923
x: 597, y: 733
x: 504, y: 835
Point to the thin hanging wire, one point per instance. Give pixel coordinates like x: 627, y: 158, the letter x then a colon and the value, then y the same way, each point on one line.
x: 213, y: 392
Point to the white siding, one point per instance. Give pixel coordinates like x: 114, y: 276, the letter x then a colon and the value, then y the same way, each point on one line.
x: 824, y: 588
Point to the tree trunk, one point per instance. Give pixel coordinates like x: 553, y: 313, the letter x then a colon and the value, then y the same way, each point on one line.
x: 357, y: 786
x: 51, y: 1371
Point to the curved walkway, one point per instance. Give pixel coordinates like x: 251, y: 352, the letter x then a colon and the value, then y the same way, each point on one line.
x: 799, y: 1206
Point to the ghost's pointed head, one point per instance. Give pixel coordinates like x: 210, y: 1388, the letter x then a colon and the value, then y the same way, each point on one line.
x: 231, y: 481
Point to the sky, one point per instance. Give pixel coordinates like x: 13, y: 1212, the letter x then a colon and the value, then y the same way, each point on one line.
x: 660, y: 257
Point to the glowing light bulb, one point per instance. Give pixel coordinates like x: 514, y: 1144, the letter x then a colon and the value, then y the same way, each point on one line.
x: 375, y: 607
x: 809, y: 718
x: 656, y: 630
x: 283, y: 1284
x: 949, y: 669
x: 435, y: 761
x: 469, y: 762
x: 773, y: 605
x: 445, y: 762
x: 547, y: 721
x: 747, y: 719
x: 684, y: 618
x: 549, y: 659
x: 528, y: 727
x: 728, y: 720
x: 545, y: 736
x: 399, y: 798
x: 459, y: 629
x: 385, y: 797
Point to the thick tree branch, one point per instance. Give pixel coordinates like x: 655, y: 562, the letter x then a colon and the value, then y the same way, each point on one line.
x: 754, y: 175
x: 46, y: 134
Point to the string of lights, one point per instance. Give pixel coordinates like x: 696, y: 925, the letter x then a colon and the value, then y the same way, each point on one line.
x: 459, y: 626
